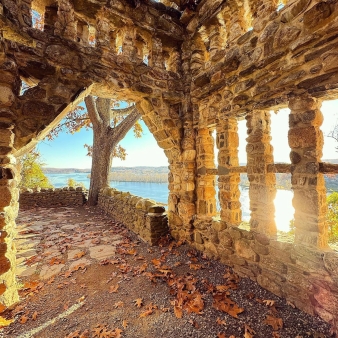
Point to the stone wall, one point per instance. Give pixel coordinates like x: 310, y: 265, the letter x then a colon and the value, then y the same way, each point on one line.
x: 140, y: 215
x: 53, y: 198
x: 305, y: 276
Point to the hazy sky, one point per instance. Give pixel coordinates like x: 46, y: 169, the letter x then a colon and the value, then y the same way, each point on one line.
x: 67, y: 150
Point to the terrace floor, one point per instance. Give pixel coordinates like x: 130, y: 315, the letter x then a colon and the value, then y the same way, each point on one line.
x: 81, y: 274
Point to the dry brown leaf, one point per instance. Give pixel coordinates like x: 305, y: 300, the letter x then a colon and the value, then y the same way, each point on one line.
x: 276, y: 335
x: 118, y: 304
x: 23, y: 319
x: 268, y: 302
x: 178, y: 311
x: 114, y: 288
x: 221, y: 335
x: 117, y: 333
x: 75, y: 334
x: 79, y: 254
x: 276, y: 323
x: 195, y: 266
x: 220, y: 321
x: 156, y: 262
x: 248, y: 331
x: 35, y: 315
x: 84, y: 334
x: 146, y: 313
x: 125, y: 324
x: 138, y: 302
x: 225, y: 304
x: 222, y: 288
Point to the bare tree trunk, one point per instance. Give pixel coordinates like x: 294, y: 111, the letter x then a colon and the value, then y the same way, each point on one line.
x: 105, y: 140
x: 101, y: 164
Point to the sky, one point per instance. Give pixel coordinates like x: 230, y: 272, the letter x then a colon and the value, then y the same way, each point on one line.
x: 67, y: 150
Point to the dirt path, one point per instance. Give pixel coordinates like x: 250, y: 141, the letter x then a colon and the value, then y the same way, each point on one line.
x: 84, y: 275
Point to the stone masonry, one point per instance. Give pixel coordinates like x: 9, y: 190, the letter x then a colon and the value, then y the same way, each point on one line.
x: 53, y: 198
x: 143, y: 216
x: 192, y: 68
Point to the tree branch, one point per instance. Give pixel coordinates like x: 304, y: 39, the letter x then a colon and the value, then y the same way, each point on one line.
x: 118, y: 133
x: 92, y: 111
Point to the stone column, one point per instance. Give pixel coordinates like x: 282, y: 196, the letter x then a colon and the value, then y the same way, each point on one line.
x: 66, y: 24
x: 128, y: 43
x: 156, y: 59
x: 262, y: 183
x: 228, y: 182
x: 306, y: 143
x: 9, y: 89
x: 206, y: 202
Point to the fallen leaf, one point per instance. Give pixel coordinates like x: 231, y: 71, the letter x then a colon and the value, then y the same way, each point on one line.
x: 85, y: 334
x: 195, y: 266
x: 221, y: 335
x: 5, y: 322
x: 146, y: 313
x: 178, y: 312
x: 138, y: 302
x: 220, y: 321
x: 125, y: 324
x: 23, y: 319
x: 268, y: 302
x: 117, y: 333
x: 276, y: 335
x: 276, y: 323
x: 248, y: 331
x: 118, y: 304
x: 75, y: 334
x: 156, y: 262
x: 35, y: 315
x: 79, y: 254
x: 114, y: 288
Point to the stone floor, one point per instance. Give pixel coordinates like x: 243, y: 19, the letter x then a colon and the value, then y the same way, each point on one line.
x: 63, y: 240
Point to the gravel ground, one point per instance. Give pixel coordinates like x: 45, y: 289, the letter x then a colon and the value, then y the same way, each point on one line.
x: 168, y: 291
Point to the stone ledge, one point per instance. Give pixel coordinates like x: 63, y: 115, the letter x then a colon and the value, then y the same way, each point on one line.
x: 143, y: 216
x: 49, y: 198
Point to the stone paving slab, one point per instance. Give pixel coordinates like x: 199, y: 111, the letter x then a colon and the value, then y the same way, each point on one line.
x: 49, y: 243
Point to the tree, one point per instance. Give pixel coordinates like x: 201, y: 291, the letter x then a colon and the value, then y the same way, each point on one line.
x: 110, y: 125
x: 109, y: 128
x: 32, y: 175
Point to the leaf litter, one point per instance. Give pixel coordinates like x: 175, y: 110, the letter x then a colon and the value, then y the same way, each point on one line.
x: 153, y: 292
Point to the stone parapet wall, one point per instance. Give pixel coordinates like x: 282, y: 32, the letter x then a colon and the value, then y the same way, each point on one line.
x: 306, y: 276
x: 50, y: 198
x: 140, y: 215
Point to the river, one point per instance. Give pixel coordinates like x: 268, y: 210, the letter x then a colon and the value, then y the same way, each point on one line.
x: 159, y: 192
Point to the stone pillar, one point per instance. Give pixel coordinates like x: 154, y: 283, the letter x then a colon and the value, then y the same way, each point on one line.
x: 156, y: 59
x: 66, y: 24
x: 103, y: 35
x: 128, y: 43
x: 228, y: 182
x: 306, y: 143
x: 262, y: 183
x: 206, y: 202
x: 9, y: 89
x: 181, y: 204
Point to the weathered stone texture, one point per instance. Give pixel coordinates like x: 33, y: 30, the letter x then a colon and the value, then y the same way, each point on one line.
x: 52, y: 198
x: 140, y: 215
x: 190, y: 72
